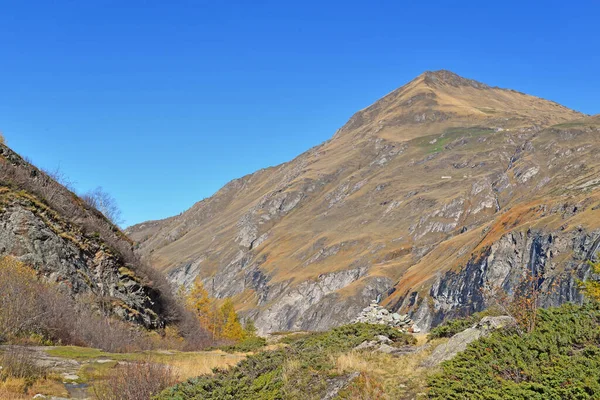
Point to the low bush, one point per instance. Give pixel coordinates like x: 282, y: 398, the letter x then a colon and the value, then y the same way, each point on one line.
x: 18, y: 363
x: 299, y: 371
x: 451, y: 327
x: 135, y: 381
x: 32, y: 311
x: 247, y: 345
x: 559, y: 359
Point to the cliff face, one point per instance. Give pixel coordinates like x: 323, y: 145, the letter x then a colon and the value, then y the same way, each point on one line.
x: 49, y: 228
x: 414, y: 200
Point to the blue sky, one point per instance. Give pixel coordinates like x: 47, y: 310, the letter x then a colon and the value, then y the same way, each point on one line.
x: 162, y: 103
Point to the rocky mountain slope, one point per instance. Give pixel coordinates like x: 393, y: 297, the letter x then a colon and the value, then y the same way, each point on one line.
x: 49, y: 228
x: 442, y: 186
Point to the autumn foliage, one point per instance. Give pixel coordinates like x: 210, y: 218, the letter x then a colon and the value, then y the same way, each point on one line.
x: 591, y: 287
x: 218, y: 318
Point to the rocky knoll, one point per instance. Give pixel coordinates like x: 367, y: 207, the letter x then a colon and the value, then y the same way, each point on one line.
x: 440, y: 188
x: 49, y: 228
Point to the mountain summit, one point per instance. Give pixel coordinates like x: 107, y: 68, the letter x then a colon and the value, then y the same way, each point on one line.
x: 441, y: 99
x: 437, y: 188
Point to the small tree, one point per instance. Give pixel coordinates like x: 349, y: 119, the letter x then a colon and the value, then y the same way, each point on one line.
x: 249, y: 329
x: 199, y: 301
x: 105, y: 203
x: 232, y: 329
x: 591, y: 287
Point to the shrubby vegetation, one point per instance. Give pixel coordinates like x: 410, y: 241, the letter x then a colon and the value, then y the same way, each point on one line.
x: 299, y: 371
x: 451, y: 327
x: 33, y: 311
x: 556, y: 360
x: 136, y: 380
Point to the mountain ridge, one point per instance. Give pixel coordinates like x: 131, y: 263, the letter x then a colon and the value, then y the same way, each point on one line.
x: 305, y: 244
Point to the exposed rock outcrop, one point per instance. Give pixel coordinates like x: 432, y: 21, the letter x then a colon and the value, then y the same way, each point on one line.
x: 67, y: 242
x: 559, y: 259
x: 459, y: 342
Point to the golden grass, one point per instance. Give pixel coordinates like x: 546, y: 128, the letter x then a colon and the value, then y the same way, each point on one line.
x: 399, y: 377
x: 17, y: 389
x: 202, y: 363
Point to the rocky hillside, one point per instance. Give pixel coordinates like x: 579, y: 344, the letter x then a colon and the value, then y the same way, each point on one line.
x: 49, y: 228
x: 440, y: 187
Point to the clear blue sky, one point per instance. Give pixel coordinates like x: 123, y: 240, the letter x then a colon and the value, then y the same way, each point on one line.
x: 163, y: 102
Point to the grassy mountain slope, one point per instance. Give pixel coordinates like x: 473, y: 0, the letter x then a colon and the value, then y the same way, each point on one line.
x: 411, y: 191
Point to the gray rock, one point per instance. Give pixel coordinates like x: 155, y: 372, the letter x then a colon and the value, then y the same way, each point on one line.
x: 386, y: 348
x: 70, y: 377
x: 459, y: 342
x: 366, y: 345
x: 383, y: 339
x: 335, y: 385
x: 79, y: 264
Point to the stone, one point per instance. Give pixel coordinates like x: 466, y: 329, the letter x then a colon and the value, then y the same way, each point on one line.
x: 366, y: 345
x: 39, y: 396
x: 459, y: 342
x: 383, y: 339
x: 70, y: 377
x: 387, y: 349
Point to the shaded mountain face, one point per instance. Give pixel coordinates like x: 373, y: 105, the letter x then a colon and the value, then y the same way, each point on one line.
x: 442, y: 186
x: 49, y: 228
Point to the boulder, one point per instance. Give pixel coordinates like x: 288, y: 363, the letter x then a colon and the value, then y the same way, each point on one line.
x: 459, y: 342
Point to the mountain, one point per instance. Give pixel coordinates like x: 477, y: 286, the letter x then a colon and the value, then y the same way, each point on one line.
x: 420, y: 199
x: 69, y: 243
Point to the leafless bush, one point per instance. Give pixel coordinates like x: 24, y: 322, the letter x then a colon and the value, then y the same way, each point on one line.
x: 136, y: 381
x: 524, y: 303
x: 105, y: 203
x: 18, y: 363
x: 20, y: 175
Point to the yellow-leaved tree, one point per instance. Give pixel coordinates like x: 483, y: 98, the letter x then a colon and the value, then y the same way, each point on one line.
x: 222, y: 322
x: 232, y: 329
x: 591, y: 287
x: 203, y: 305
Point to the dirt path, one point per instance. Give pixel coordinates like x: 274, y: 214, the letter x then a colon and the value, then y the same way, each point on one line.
x: 64, y: 367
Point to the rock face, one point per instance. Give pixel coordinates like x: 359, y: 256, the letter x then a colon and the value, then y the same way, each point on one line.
x: 558, y: 258
x: 440, y: 187
x: 61, y: 251
x: 459, y: 342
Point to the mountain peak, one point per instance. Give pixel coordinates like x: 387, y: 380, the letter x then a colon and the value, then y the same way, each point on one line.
x: 445, y: 77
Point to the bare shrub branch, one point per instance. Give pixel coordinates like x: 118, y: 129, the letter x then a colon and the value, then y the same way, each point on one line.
x: 136, y: 381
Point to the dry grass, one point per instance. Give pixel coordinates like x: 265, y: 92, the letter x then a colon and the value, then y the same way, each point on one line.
x: 18, y: 389
x: 190, y: 365
x: 396, y: 377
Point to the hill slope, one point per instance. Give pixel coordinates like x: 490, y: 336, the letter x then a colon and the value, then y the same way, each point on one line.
x: 441, y: 185
x: 49, y: 228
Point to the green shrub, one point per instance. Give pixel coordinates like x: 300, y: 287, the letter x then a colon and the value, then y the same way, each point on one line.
x: 559, y: 359
x: 253, y: 343
x: 298, y: 371
x: 452, y: 326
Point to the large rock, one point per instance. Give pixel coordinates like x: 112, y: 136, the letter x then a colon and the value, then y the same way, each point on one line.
x: 459, y: 342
